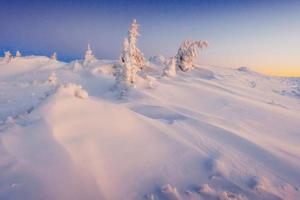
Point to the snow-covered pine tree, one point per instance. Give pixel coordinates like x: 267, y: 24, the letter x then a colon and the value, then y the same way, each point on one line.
x: 137, y: 57
x: 7, y: 56
x: 188, y: 52
x: 54, y: 56
x: 89, y: 56
x: 126, y: 73
x: 170, y: 69
x: 131, y: 59
x: 18, y: 54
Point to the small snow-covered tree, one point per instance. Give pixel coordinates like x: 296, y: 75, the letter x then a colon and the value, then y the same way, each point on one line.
x: 137, y: 57
x: 126, y: 73
x: 18, y: 54
x: 54, y: 56
x: 188, y: 52
x: 170, y: 69
x: 89, y: 56
x: 7, y: 56
x: 73, y: 90
x: 131, y: 59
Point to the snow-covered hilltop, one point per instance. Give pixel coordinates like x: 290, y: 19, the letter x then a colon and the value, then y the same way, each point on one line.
x: 71, y: 131
x: 66, y: 133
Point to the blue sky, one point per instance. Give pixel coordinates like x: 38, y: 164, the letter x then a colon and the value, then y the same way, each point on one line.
x: 264, y: 35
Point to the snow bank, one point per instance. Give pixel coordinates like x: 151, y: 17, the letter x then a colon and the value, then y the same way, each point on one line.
x: 170, y: 192
x: 211, y: 133
x: 158, y: 60
x: 243, y: 69
x: 74, y: 90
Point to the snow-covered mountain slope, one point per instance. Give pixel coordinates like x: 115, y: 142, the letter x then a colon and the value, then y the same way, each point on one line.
x: 211, y: 133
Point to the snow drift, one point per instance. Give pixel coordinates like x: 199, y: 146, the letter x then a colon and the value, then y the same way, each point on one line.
x: 211, y: 133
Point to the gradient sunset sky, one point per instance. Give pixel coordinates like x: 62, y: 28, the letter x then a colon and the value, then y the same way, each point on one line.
x: 260, y: 34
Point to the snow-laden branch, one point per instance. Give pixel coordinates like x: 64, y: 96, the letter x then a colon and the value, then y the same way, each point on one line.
x: 188, y: 52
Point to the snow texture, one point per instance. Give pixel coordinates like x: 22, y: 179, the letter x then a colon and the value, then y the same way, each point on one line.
x: 209, y: 133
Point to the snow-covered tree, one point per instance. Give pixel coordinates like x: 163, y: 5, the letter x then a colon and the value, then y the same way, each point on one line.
x: 126, y: 73
x: 188, y: 52
x: 73, y: 90
x: 89, y: 56
x: 170, y: 69
x: 137, y: 57
x: 54, y: 56
x: 7, y: 56
x: 18, y: 54
x: 131, y: 59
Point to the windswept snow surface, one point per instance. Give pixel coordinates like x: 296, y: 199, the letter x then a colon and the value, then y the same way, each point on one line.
x: 211, y: 133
